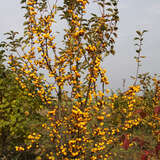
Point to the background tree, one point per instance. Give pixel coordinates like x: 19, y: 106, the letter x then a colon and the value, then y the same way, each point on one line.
x: 19, y: 113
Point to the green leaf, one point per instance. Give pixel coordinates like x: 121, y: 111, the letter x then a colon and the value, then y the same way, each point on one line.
x: 139, y: 33
x: 144, y: 31
x: 136, y: 38
x: 101, y: 4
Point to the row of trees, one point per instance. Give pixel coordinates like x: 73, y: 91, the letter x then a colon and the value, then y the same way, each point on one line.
x: 54, y: 102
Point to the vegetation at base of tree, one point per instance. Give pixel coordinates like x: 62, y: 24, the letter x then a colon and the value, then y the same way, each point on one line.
x: 19, y: 114
x: 54, y: 101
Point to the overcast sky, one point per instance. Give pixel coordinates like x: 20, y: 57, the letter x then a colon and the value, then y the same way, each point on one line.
x: 134, y: 15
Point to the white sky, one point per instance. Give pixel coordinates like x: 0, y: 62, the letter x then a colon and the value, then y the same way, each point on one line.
x: 134, y: 15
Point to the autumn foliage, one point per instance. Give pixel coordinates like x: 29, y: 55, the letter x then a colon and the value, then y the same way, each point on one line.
x: 78, y: 116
